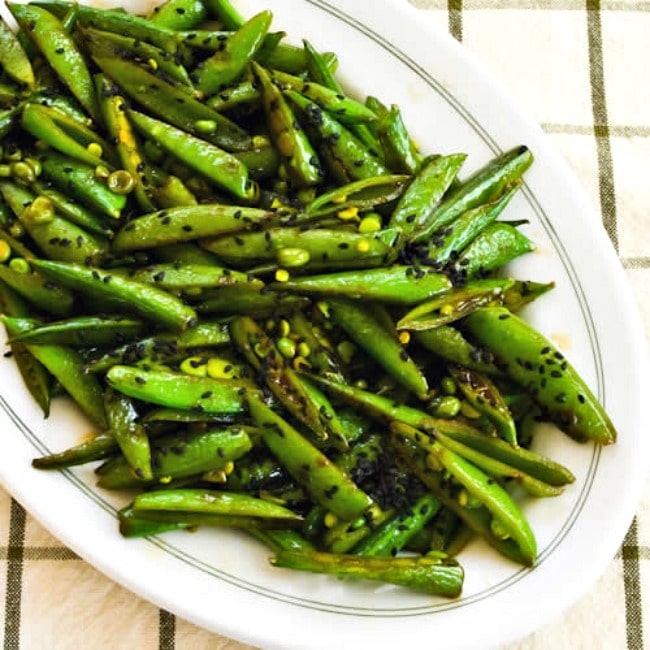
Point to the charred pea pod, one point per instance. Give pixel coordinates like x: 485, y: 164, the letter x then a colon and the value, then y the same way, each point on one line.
x: 59, y: 49
x: 178, y: 14
x: 8, y: 119
x: 13, y: 59
x: 162, y: 346
x: 56, y: 237
x: 187, y: 223
x: 454, y: 304
x: 478, y: 485
x: 171, y: 416
x: 347, y: 111
x: 79, y: 180
x: 427, y: 188
x: 65, y: 134
x: 35, y: 377
x: 174, y: 105
x: 260, y: 351
x: 250, y: 300
x: 448, y: 242
x: 405, y: 285
x: 252, y: 474
x: 73, y: 211
x: 500, y: 470
x: 399, y: 151
x: 130, y: 434
x: 173, y: 277
x: 449, y: 344
x: 176, y: 390
x: 300, y: 159
x: 326, y: 248
x: 359, y: 195
x: 483, y: 186
x: 492, y: 248
x: 395, y: 533
x: 381, y: 344
x: 216, y: 164
x: 478, y: 518
x: 113, y: 106
x: 179, y: 456
x: 99, y: 447
x: 83, y: 331
x: 346, y: 156
x: 38, y: 290
x: 328, y: 417
x: 150, y: 302
x: 110, y: 45
x: 326, y: 484
x: 485, y: 397
x: 531, y: 360
x: 67, y: 367
x: 228, y: 63
x: 119, y: 22
x: 213, y: 502
x: 436, y: 575
x: 445, y: 526
x: 319, y: 69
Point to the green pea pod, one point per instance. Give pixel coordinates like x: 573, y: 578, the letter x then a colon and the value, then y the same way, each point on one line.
x: 189, y: 276
x: 178, y: 14
x: 242, y: 95
x: 219, y: 166
x: 363, y: 194
x: 110, y: 45
x: 500, y: 470
x: 214, y: 502
x: 174, y: 105
x: 430, y: 575
x: 188, y: 223
x: 433, y: 179
x: 183, y: 253
x: 309, y: 467
x: 13, y: 59
x: 57, y: 238
x: 282, y: 540
x: 179, y: 391
x: 485, y: 397
x: 523, y: 292
x: 260, y: 351
x: 180, y: 416
x: 248, y: 299
x: 73, y: 211
x: 228, y: 63
x: 225, y: 12
x: 399, y: 151
x: 150, y: 302
x: 36, y: 378
x: 130, y: 434
x: 346, y: 156
x: 449, y: 344
x: 328, y: 417
x: 530, y: 359
x: 132, y: 525
x: 38, y: 291
x: 483, y: 186
x: 119, y: 22
x: 454, y: 304
x: 97, y: 448
x: 55, y: 128
x: 347, y: 111
x: 59, y: 49
x: 492, y: 248
x: 83, y: 331
x: 67, y: 367
x: 160, y: 346
x: 402, y: 285
x: 292, y: 143
x: 448, y: 242
x: 325, y: 248
x: 382, y: 345
x: 79, y: 181
x: 480, y: 486
x: 178, y: 456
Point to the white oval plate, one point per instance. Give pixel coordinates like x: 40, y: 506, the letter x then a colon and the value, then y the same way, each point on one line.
x: 223, y: 581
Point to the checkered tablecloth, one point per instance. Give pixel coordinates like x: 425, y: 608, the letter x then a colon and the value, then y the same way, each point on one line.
x: 583, y: 70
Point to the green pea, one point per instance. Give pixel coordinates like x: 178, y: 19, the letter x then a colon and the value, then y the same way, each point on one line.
x: 293, y: 257
x: 20, y: 265
x: 448, y: 386
x: 22, y: 172
x: 41, y: 210
x: 498, y: 529
x: 120, y: 182
x: 287, y: 347
x: 205, y: 127
x: 447, y: 407
x: 5, y: 171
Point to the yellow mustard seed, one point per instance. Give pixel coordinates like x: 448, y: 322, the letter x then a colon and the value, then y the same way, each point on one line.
x: 165, y: 480
x: 330, y: 520
x: 284, y: 329
x: 5, y: 251
x: 363, y: 246
x: 348, y: 213
x: 404, y: 337
x: 153, y: 64
x: 95, y: 149
x: 282, y: 275
x: 340, y: 199
x: 370, y: 223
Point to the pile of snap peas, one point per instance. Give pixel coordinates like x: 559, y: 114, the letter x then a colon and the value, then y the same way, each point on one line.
x: 278, y: 313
